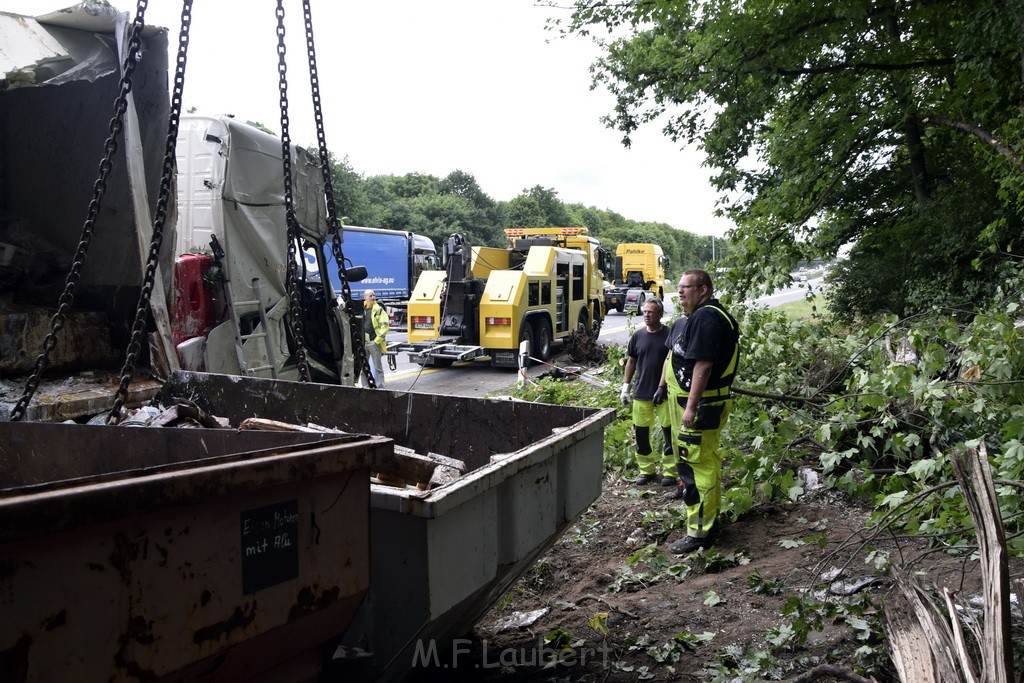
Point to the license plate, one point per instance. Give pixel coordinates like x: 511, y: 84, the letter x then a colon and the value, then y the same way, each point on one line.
x: 422, y: 326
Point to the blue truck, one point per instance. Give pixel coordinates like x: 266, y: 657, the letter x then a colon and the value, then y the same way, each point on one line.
x: 393, y: 260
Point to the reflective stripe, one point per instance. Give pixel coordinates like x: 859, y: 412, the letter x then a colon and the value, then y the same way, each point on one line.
x: 711, y: 393
x: 730, y: 369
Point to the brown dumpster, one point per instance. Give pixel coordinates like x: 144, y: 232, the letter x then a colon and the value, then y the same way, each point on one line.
x: 136, y: 553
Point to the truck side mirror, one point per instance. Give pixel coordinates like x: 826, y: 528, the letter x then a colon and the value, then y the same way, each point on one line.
x: 355, y: 274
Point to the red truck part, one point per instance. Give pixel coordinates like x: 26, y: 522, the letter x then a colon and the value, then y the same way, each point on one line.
x: 193, y: 311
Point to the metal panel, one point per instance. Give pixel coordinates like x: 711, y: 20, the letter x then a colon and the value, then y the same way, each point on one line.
x: 207, y: 559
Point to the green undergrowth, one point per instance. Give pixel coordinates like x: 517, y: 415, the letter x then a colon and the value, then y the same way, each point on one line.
x: 877, y: 409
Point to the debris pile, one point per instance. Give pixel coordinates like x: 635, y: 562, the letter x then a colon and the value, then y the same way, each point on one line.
x: 406, y: 468
x: 585, y: 350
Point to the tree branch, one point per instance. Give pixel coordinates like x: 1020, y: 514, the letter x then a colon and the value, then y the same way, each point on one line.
x: 830, y: 671
x: 978, y: 132
x: 776, y: 397
x: 866, y: 66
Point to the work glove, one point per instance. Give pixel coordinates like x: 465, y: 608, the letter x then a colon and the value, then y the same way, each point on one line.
x: 624, y: 394
x: 661, y: 395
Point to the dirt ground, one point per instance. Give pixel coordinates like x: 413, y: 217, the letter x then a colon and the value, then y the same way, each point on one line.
x: 580, y: 592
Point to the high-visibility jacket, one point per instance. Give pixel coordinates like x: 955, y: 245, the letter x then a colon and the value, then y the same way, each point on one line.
x: 378, y: 322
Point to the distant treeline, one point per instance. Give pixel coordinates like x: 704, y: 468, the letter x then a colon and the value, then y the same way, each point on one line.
x: 438, y: 207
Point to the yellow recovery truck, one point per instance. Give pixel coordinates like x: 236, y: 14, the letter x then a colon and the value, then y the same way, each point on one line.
x: 545, y: 285
x: 639, y: 273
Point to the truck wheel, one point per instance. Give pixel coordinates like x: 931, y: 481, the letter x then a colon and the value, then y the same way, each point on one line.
x: 620, y: 307
x: 661, y: 294
x: 542, y: 338
x: 584, y: 326
x: 526, y: 334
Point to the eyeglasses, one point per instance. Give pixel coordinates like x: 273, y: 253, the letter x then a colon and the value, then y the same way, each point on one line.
x: 688, y: 286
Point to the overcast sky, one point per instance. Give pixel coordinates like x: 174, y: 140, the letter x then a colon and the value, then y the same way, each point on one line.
x: 432, y: 87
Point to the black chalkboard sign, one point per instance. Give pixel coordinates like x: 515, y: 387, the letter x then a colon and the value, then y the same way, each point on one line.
x: 270, y: 545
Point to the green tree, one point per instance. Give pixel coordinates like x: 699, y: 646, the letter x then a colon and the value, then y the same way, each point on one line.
x: 350, y: 193
x: 540, y: 207
x: 834, y: 124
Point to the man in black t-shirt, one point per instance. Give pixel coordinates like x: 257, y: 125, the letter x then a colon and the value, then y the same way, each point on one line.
x: 645, y: 356
x: 703, y: 356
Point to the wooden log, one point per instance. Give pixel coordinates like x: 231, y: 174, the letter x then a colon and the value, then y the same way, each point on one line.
x: 975, y: 478
x: 923, y: 648
x: 415, y: 468
x: 263, y: 424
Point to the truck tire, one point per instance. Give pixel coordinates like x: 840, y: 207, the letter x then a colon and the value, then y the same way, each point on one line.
x: 585, y: 326
x: 526, y: 334
x: 620, y: 307
x: 542, y: 338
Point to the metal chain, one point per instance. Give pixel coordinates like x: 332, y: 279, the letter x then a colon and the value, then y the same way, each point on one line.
x: 67, y: 297
x: 359, y: 354
x: 294, y: 303
x: 166, y: 177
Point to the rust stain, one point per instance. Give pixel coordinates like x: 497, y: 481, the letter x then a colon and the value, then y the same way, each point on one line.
x: 8, y: 568
x: 125, y: 552
x: 140, y: 631
x: 239, y: 619
x: 307, y: 603
x: 14, y: 660
x: 56, y: 621
x: 163, y: 554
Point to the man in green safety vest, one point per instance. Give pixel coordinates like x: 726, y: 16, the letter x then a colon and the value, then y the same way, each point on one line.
x: 697, y: 376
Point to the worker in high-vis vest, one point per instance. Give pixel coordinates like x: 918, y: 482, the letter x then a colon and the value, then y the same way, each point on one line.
x: 645, y: 356
x: 696, y: 380
x: 375, y: 331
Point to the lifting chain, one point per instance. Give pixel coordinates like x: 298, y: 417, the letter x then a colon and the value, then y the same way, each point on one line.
x: 361, y: 361
x: 294, y: 300
x: 67, y: 298
x: 166, y: 177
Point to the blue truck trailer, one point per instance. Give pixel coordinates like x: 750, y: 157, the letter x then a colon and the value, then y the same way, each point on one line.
x: 393, y: 259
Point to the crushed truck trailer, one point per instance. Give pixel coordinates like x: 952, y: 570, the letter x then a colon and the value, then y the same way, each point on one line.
x: 128, y: 552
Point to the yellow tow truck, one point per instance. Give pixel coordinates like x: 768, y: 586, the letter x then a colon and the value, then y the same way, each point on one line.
x: 639, y: 273
x: 545, y: 285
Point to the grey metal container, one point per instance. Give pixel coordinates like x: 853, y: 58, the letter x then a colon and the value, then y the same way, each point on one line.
x: 442, y: 557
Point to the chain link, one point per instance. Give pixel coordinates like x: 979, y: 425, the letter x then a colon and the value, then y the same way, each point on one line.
x: 166, y: 177
x: 360, y: 357
x: 294, y: 302
x: 67, y: 297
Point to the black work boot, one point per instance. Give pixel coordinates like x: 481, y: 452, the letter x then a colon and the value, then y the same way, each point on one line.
x: 684, y: 492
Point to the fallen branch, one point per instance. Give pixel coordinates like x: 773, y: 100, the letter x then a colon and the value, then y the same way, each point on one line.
x: 776, y: 397
x: 830, y: 671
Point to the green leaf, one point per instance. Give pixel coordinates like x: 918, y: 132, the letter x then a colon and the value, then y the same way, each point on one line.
x: 711, y: 598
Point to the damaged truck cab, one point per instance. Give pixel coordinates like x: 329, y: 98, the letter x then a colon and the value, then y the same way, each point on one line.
x: 221, y: 311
